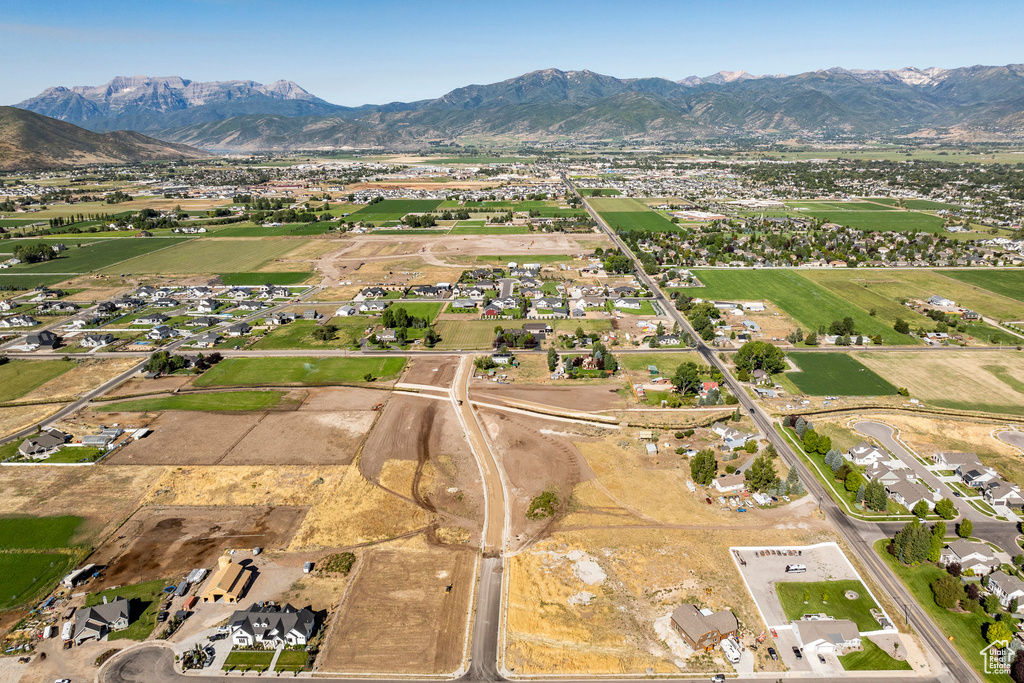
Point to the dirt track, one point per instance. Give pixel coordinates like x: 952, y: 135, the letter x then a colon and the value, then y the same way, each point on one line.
x: 582, y: 398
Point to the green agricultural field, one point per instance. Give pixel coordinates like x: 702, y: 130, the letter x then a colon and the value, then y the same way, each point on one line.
x: 885, y: 290
x: 421, y: 309
x: 490, y: 229
x: 872, y: 658
x: 1009, y: 283
x: 19, y: 377
x: 251, y: 230
x: 841, y: 206
x: 604, y: 192
x: 634, y: 220
x: 917, y: 204
x: 213, y: 402
x: 299, y: 335
x: 26, y: 577
x: 144, y: 602
x: 100, y: 254
x: 966, y: 630
x: 321, y: 228
x: 393, y: 207
x: 210, y: 255
x: 25, y: 281
x: 256, y: 279
x: 37, y: 533
x: 612, y: 205
x: 807, y: 303
x: 901, y: 221
x: 813, y: 597
x: 824, y: 374
x: 296, y: 370
x: 466, y: 334
x: 17, y: 223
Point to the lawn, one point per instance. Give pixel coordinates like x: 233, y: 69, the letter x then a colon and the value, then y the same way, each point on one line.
x: 806, y: 302
x: 75, y: 454
x: 824, y: 374
x: 490, y: 230
x: 298, y: 370
x: 26, y: 577
x: 1008, y: 283
x: 241, y: 659
x: 421, y: 309
x: 792, y: 596
x: 965, y: 629
x: 19, y: 377
x: 292, y: 660
x: 872, y: 658
x: 398, y: 207
x: 299, y: 334
x: 210, y: 255
x: 100, y: 254
x: 645, y: 309
x: 37, y: 533
x: 466, y: 334
x: 144, y: 601
x: 215, y: 402
x: 903, y: 221
x: 254, y: 279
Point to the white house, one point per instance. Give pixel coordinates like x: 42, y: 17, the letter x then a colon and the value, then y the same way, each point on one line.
x: 345, y: 311
x: 272, y: 626
x: 1006, y: 588
x: 972, y: 555
x: 827, y: 636
x: 865, y: 453
x: 730, y: 483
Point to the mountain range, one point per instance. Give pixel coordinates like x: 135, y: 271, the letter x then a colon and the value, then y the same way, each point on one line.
x: 32, y: 141
x: 983, y: 101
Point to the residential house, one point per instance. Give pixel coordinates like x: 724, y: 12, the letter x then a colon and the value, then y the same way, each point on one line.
x: 208, y: 340
x: 464, y: 303
x: 272, y: 626
x: 889, y: 472
x: 202, y: 321
x: 95, y: 341
x: 387, y: 336
x: 1000, y: 492
x: 18, y: 321
x: 1006, y: 588
x: 730, y: 483
x: 970, y: 555
x: 7, y: 305
x: 166, y: 303
x: 941, y: 301
x: 160, y: 333
x: 827, y: 636
x: 373, y: 291
x: 703, y: 629
x: 977, y: 478
x: 958, y: 462
x: 732, y: 438
x: 373, y: 306
x: 908, y: 493
x: 99, y: 620
x: 151, y: 319
x: 311, y: 314
x: 228, y: 584
x: 206, y: 305
x: 865, y: 453
x: 43, y: 444
x: 622, y: 302
x: 345, y: 311
x: 250, y: 306
x: 239, y: 329
x: 41, y: 340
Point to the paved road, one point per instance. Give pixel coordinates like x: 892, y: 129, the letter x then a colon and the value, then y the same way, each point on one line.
x: 858, y: 535
x: 1015, y: 439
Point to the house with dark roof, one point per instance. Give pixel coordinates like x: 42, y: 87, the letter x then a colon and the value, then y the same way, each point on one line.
x: 42, y: 339
x: 272, y: 626
x: 99, y: 620
x: 703, y: 629
x: 43, y: 444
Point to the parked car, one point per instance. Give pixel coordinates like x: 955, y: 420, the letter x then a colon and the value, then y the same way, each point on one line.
x: 796, y: 651
x: 821, y: 658
x: 718, y: 678
x: 708, y: 501
x: 773, y: 654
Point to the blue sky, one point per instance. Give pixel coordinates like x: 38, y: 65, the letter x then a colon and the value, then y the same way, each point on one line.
x: 394, y: 50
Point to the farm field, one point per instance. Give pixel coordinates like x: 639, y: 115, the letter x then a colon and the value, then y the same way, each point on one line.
x: 647, y: 221
x: 100, y: 254
x: 840, y: 206
x: 884, y: 291
x: 25, y: 281
x: 27, y: 576
x: 19, y: 377
x: 901, y: 221
x: 806, y: 302
x: 1008, y: 283
x: 393, y: 209
x: 604, y: 192
x: 465, y: 334
x: 421, y: 309
x: 918, y: 204
x: 210, y: 255
x: 490, y: 230
x: 613, y: 205
x: 218, y: 401
x: 293, y: 370
x: 299, y: 334
x: 37, y: 533
x: 824, y: 374
x: 992, y: 382
x: 254, y: 279
x: 813, y: 597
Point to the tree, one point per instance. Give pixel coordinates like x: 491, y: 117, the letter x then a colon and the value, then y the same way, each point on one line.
x: 965, y: 528
x: 759, y: 355
x: 325, y: 332
x: 687, y: 379
x: 811, y: 339
x: 854, y: 480
x: 761, y: 474
x: 860, y: 494
x: 944, y: 508
x: 998, y: 632
x: 990, y: 604
x: 947, y: 591
x: 703, y: 467
x: 911, y: 543
x: 552, y: 359
x: 1017, y: 668
x: 874, y: 496
x: 1013, y: 606
x: 921, y: 509
x: 811, y: 441
x: 901, y: 326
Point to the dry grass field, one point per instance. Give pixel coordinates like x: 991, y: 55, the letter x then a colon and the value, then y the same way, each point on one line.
x: 991, y: 382
x: 398, y: 615
x: 17, y: 418
x: 85, y: 376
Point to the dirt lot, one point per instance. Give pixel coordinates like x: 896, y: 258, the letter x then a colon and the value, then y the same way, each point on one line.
x: 581, y: 396
x: 418, y: 450
x: 327, y: 429
x: 432, y: 371
x: 139, y: 385
x: 160, y: 542
x: 15, y: 419
x: 398, y: 616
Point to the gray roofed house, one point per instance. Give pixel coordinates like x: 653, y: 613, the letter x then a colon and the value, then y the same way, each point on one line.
x: 865, y: 453
x: 95, y: 341
x: 345, y: 311
x: 908, y: 493
x: 43, y: 444
x: 1000, y: 492
x: 703, y: 629
x: 827, y: 636
x: 1006, y: 587
x: 959, y: 462
x: 99, y: 620
x: 42, y: 339
x: 151, y: 319
x: 272, y: 626
x: 970, y: 555
x: 387, y: 335
x: 238, y: 329
x: 208, y: 340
